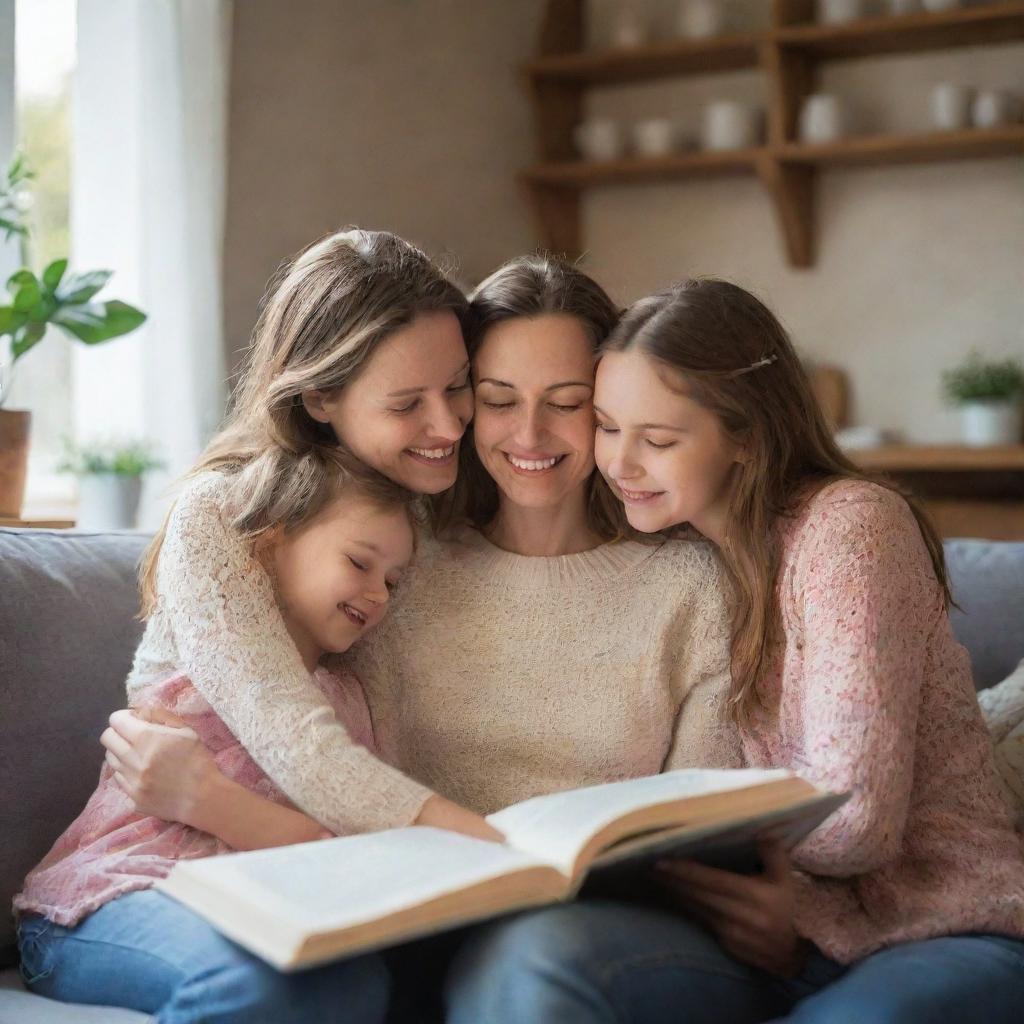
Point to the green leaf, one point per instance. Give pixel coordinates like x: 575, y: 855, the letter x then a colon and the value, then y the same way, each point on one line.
x: 82, y: 287
x: 6, y: 320
x: 99, y: 321
x: 25, y: 337
x: 27, y: 296
x: 53, y: 274
x: 43, y: 310
x: 11, y: 227
x: 20, y: 278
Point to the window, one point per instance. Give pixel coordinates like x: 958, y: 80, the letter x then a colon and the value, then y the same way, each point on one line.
x: 44, y: 65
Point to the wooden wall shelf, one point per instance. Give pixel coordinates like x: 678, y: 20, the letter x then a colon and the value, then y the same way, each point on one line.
x: 945, y: 458
x: 789, y: 54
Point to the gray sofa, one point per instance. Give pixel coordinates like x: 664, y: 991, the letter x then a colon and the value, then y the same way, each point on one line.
x: 67, y: 633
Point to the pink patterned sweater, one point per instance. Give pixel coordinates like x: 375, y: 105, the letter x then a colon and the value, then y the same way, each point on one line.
x: 109, y: 850
x: 874, y: 695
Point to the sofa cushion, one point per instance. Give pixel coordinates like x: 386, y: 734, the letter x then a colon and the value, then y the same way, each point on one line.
x: 988, y: 584
x: 20, y: 1007
x: 68, y: 632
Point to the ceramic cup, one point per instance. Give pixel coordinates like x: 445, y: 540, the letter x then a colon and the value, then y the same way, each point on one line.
x: 729, y: 124
x: 951, y: 106
x: 628, y: 29
x: 654, y: 137
x: 701, y: 19
x: 898, y: 7
x: 823, y: 118
x: 833, y: 12
x: 599, y: 139
x: 993, y: 107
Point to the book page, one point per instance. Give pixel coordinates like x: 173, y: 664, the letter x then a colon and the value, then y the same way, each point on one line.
x: 557, y: 827
x: 339, y: 883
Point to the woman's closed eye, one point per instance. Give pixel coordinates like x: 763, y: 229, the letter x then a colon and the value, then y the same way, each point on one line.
x: 655, y: 444
x: 606, y: 428
x: 359, y: 565
x: 405, y: 408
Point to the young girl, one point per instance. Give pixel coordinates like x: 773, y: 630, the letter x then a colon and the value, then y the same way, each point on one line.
x: 908, y: 905
x: 911, y: 897
x: 333, y: 546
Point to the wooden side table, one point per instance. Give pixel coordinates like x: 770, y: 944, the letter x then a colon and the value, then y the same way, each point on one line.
x: 968, y: 492
x: 38, y: 523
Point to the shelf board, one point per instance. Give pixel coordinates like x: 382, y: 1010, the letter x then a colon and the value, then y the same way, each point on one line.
x: 976, y: 143
x: 940, y: 458
x: 654, y: 60
x: 908, y: 33
x: 578, y: 174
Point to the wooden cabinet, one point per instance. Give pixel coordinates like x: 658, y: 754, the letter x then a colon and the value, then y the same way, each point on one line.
x: 789, y: 53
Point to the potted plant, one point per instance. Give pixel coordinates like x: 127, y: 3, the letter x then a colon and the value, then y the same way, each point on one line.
x: 990, y: 395
x: 109, y: 480
x: 55, y: 297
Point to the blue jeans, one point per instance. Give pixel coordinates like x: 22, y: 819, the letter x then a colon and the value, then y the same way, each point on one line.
x: 146, y: 952
x: 607, y: 962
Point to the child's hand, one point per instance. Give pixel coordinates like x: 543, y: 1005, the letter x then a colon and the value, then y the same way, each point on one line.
x: 750, y: 915
x: 438, y: 812
x: 164, y: 769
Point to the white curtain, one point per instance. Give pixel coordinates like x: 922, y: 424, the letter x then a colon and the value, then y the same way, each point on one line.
x: 148, y: 182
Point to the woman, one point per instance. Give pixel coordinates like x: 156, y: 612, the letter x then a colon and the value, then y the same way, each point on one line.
x: 909, y: 901
x: 360, y: 345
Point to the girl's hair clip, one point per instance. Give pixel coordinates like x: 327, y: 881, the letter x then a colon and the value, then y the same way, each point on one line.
x: 766, y: 361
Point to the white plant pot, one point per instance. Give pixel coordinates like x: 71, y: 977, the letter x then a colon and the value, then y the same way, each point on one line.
x: 107, y: 501
x: 991, y: 423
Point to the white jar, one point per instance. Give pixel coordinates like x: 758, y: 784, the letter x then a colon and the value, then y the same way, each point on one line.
x: 823, y: 118
x: 599, y: 138
x: 993, y: 107
x: 730, y: 124
x: 108, y: 501
x: 951, y: 106
x: 835, y: 12
x: 654, y: 137
x: 991, y: 423
x: 701, y: 19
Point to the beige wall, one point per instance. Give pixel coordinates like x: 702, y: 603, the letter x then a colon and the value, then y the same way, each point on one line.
x: 407, y: 114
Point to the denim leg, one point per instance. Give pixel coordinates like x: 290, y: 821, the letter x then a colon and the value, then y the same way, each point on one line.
x: 958, y: 979
x: 604, y: 962
x: 146, y: 952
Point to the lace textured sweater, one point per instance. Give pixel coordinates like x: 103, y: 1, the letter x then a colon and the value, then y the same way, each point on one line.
x: 216, y: 621
x: 873, y: 695
x: 497, y: 677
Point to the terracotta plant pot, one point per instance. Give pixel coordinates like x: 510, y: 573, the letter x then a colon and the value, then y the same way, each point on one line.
x: 14, y: 435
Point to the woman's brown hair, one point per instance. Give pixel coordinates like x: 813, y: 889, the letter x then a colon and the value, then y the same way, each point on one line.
x: 531, y: 286
x: 738, y: 361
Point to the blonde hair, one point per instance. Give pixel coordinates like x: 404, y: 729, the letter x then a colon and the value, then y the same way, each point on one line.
x: 739, y: 362
x: 324, y: 316
x: 531, y: 286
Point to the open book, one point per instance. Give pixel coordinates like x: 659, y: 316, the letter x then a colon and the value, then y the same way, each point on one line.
x: 296, y: 906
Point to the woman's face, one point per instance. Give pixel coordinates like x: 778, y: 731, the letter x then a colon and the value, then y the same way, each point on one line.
x: 534, y: 427
x: 665, y: 455
x: 407, y: 409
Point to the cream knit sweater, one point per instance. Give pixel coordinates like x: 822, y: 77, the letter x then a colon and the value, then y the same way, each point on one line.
x: 496, y: 677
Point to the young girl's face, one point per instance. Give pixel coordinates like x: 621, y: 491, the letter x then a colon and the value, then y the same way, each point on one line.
x: 334, y: 574
x: 665, y: 455
x: 534, y: 426
x: 407, y: 409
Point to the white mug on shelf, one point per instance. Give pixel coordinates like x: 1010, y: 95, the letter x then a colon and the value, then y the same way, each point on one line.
x: 823, y: 118
x: 729, y: 124
x: 598, y: 138
x: 834, y: 12
x: 628, y: 29
x: 899, y: 7
x: 993, y: 107
x: 951, y: 106
x: 701, y: 19
x: 941, y: 5
x: 654, y: 137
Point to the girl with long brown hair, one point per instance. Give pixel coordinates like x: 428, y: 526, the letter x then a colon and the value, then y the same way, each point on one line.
x: 907, y: 904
